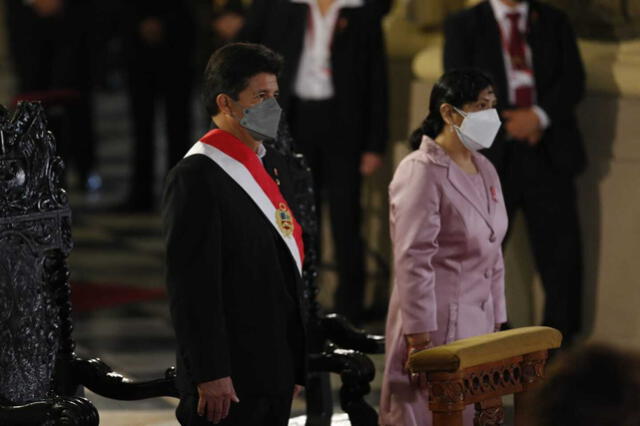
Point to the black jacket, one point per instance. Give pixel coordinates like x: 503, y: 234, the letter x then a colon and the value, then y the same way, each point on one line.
x: 472, y: 39
x: 358, y: 62
x: 235, y: 293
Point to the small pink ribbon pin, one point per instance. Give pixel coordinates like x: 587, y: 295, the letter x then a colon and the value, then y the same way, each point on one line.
x: 494, y: 194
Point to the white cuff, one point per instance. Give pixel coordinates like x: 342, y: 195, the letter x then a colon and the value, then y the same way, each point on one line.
x: 545, y: 121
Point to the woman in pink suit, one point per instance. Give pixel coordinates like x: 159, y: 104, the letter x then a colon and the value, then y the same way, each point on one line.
x: 447, y: 219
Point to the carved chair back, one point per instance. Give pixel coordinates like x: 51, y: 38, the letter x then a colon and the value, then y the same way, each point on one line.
x: 334, y: 345
x: 35, y: 239
x: 40, y: 375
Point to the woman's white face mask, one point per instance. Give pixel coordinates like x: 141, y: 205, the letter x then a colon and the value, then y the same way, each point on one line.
x: 478, y: 129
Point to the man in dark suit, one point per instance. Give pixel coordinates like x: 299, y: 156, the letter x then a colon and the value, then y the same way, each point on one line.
x: 234, y: 254
x: 334, y: 90
x: 530, y: 50
x: 51, y: 44
x: 159, y: 40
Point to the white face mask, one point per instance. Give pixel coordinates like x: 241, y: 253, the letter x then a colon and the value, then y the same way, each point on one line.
x: 478, y: 129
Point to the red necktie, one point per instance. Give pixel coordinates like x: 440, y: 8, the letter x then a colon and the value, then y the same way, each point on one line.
x: 516, y: 43
x: 516, y: 46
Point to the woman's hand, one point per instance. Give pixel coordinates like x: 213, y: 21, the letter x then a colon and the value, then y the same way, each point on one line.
x: 417, y: 343
x: 497, y: 327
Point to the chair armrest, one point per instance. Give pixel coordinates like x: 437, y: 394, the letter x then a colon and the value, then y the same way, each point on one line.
x: 356, y: 371
x: 342, y: 333
x: 101, y: 379
x: 484, y: 349
x: 71, y: 411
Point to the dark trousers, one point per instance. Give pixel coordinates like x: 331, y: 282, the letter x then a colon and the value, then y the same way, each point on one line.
x: 335, y: 165
x: 251, y: 411
x: 157, y: 76
x: 548, y: 200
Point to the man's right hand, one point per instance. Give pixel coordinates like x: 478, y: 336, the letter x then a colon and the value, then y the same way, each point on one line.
x: 215, y: 398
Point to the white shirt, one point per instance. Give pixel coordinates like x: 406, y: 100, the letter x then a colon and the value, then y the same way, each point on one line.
x: 517, y: 78
x: 314, y: 78
x: 261, y: 151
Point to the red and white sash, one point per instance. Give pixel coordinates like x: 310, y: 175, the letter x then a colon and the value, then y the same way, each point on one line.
x: 246, y: 169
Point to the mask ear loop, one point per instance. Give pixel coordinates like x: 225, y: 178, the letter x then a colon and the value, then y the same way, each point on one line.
x: 459, y: 111
x: 462, y: 114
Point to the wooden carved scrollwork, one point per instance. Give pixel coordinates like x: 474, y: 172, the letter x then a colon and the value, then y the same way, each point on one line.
x: 491, y: 416
x: 40, y: 374
x: 34, y: 223
x: 492, y: 379
x: 532, y: 370
x: 446, y: 393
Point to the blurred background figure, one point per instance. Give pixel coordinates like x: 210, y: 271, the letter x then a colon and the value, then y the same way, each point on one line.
x: 334, y: 91
x: 591, y: 386
x: 530, y: 50
x: 227, y: 19
x: 51, y: 44
x: 158, y: 42
x: 218, y: 22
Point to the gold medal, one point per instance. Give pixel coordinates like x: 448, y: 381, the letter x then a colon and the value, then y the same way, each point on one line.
x: 284, y: 220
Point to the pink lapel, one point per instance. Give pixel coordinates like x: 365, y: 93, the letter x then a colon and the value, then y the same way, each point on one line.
x: 462, y: 183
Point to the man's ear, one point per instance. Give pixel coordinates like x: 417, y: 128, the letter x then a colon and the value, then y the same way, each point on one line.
x: 224, y: 104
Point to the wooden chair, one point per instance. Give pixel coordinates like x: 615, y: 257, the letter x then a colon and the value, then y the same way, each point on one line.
x: 41, y: 377
x: 481, y: 370
x: 335, y: 346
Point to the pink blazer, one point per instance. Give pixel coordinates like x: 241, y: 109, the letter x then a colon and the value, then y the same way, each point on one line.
x: 449, y: 272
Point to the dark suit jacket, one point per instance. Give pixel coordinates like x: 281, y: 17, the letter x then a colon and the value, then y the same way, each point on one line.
x: 235, y: 293
x: 358, y: 60
x: 472, y: 39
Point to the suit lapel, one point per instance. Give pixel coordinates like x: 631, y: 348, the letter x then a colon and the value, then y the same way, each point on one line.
x: 534, y: 38
x: 295, y: 27
x: 465, y: 187
x: 488, y: 185
x: 343, y: 22
x: 493, y: 50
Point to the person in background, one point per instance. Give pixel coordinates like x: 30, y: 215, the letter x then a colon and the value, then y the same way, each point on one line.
x: 589, y: 386
x: 160, y: 59
x: 447, y: 223
x: 530, y: 50
x: 234, y: 254
x: 334, y: 92
x: 218, y: 23
x: 51, y: 44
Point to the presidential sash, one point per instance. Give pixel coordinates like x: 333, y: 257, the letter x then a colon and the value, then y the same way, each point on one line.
x: 246, y: 169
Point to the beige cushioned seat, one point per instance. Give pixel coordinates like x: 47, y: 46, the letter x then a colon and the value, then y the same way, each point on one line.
x: 485, y: 349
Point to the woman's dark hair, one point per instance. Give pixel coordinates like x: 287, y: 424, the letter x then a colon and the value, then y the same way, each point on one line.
x: 230, y: 68
x: 457, y: 88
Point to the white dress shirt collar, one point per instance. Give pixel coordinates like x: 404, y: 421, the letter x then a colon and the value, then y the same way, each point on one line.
x: 314, y: 78
x: 261, y: 151
x: 501, y: 10
x: 340, y: 3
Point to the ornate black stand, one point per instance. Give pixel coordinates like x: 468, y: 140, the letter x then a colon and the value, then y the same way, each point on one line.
x: 40, y: 374
x: 335, y: 346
